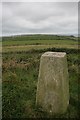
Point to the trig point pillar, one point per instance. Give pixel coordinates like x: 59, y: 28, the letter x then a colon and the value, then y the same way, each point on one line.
x: 53, y: 83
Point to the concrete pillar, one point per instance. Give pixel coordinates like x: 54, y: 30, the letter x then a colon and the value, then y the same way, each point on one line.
x: 53, y: 83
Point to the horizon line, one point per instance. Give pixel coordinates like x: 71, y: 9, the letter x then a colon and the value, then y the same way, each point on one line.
x: 21, y: 34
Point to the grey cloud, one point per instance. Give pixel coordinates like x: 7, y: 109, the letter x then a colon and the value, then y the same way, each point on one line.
x: 40, y: 18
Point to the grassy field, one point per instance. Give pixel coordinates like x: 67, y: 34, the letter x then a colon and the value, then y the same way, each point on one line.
x: 20, y: 68
x: 38, y: 42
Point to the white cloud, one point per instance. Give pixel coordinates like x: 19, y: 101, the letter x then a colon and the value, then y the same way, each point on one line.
x: 40, y: 17
x: 40, y: 0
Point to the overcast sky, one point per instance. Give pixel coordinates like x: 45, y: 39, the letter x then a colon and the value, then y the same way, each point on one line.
x: 43, y: 17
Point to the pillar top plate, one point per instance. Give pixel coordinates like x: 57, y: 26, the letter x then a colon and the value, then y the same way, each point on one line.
x: 54, y: 54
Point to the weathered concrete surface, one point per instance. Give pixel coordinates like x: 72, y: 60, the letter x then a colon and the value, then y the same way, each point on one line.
x: 53, y: 83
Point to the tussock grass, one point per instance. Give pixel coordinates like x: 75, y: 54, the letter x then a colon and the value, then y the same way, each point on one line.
x: 20, y: 84
x: 20, y: 69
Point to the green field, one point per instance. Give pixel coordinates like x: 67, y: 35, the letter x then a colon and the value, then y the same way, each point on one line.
x: 20, y: 68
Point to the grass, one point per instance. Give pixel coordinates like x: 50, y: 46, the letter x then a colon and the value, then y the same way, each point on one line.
x: 38, y: 42
x: 20, y: 77
x: 35, y: 47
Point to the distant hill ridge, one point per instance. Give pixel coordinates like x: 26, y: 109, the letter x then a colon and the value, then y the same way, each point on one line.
x: 39, y: 37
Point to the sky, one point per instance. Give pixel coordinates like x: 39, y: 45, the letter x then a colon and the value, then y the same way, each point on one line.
x: 40, y: 18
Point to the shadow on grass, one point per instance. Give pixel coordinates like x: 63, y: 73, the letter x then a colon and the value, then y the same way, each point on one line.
x: 74, y: 103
